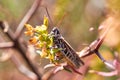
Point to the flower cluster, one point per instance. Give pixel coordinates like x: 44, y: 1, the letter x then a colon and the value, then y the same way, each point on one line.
x: 42, y: 41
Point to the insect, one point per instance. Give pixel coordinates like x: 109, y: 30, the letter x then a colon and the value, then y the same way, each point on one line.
x: 66, y: 50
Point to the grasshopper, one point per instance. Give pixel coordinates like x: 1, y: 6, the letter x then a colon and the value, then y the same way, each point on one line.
x: 66, y: 50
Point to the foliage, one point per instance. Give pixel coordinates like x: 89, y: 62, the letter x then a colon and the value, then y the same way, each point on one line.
x: 42, y: 40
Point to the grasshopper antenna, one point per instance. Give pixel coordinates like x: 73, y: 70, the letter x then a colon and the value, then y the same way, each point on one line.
x: 61, y: 20
x: 50, y: 19
x: 48, y: 15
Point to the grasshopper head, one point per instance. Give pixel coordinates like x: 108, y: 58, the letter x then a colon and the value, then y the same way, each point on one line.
x: 55, y: 32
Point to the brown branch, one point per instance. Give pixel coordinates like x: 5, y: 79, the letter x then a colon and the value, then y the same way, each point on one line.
x: 9, y: 33
x: 48, y: 74
x: 95, y: 45
x: 101, y: 39
x: 106, y: 74
x: 16, y: 37
x: 26, y: 18
x: 22, y: 49
x: 6, y: 55
x: 23, y: 69
x: 6, y: 26
x: 6, y: 45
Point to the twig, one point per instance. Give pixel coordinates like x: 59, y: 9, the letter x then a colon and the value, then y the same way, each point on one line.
x: 48, y: 74
x: 6, y: 45
x: 95, y: 45
x: 23, y: 69
x: 101, y: 39
x: 107, y: 74
x: 100, y: 56
x: 6, y: 55
x: 6, y: 26
x: 9, y: 33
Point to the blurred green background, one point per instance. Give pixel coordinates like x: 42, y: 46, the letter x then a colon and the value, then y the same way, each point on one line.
x: 80, y: 16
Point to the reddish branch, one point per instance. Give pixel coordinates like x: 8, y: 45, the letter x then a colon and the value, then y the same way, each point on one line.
x: 22, y: 68
x: 6, y: 44
x: 95, y: 45
x: 16, y: 39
